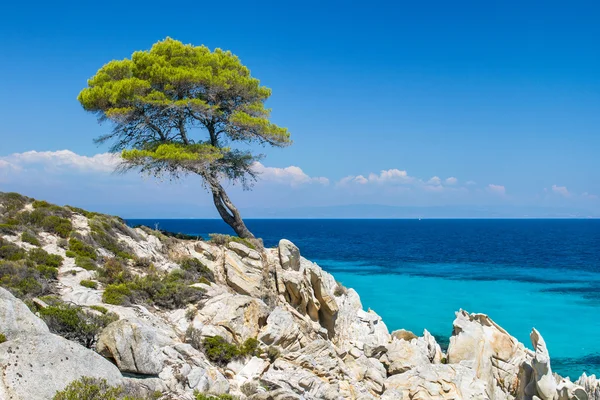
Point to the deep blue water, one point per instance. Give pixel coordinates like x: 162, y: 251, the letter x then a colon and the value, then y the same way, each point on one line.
x: 417, y: 273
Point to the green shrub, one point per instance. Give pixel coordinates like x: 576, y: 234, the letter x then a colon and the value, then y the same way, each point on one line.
x: 117, y: 294
x: 88, y: 388
x: 219, y: 351
x: 273, y: 353
x: 250, y: 347
x: 11, y: 252
x: 85, y: 263
x: 7, y: 229
x: 75, y: 323
x: 89, y: 284
x: 104, y: 234
x: 87, y: 214
x: 2, y: 338
x: 114, y: 271
x: 196, y: 270
x: 40, y: 256
x: 40, y: 204
x: 13, y: 201
x: 82, y: 249
x: 100, y: 309
x: 30, y: 238
x: 70, y: 254
x: 223, y: 240
x: 47, y: 272
x: 58, y: 225
x: 207, y: 396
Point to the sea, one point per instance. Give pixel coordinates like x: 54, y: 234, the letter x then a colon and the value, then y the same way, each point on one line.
x: 416, y: 274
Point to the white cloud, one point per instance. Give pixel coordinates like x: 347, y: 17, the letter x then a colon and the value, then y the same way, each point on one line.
x: 388, y: 176
x: 590, y: 196
x: 497, y: 189
x: 561, y: 190
x: 435, y: 181
x: 105, y: 162
x: 292, y: 175
x: 470, y: 183
x: 451, y: 181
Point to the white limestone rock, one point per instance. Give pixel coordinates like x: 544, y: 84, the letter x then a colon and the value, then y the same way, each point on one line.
x: 36, y: 367
x: 16, y: 320
x: 134, y: 345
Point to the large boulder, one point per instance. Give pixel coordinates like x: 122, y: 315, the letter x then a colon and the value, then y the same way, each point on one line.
x: 282, y: 330
x: 244, y: 274
x: 235, y: 315
x: 16, y: 319
x: 134, y: 345
x: 36, y: 367
x: 402, y: 355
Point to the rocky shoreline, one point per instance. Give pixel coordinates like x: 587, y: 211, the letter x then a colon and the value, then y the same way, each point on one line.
x: 309, y: 336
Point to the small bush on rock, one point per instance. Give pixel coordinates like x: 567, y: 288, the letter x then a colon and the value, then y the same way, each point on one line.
x: 89, y: 284
x: 30, y: 238
x: 219, y: 351
x: 339, y: 289
x: 206, y: 396
x: 2, y: 338
x: 82, y: 249
x: 98, y: 389
x: 75, y: 323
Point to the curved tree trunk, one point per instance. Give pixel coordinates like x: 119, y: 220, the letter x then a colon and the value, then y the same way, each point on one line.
x: 228, y: 211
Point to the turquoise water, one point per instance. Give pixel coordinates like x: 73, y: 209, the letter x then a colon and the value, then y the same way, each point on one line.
x: 417, y: 274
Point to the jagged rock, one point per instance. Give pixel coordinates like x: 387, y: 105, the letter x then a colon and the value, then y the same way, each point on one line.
x: 16, y: 320
x: 540, y: 382
x: 355, y: 328
x: 368, y: 370
x: 134, y: 345
x: 35, y: 367
x: 241, y: 316
x: 591, y: 385
x: 313, y: 372
x: 253, y: 369
x: 403, y: 334
x: 289, y: 255
x: 430, y: 347
x: 438, y: 382
x: 402, y: 356
x: 244, y: 251
x: 479, y: 343
x: 281, y: 330
x: 244, y: 275
x: 545, y: 385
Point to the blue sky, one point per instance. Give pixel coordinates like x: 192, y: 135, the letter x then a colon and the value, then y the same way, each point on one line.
x: 422, y: 104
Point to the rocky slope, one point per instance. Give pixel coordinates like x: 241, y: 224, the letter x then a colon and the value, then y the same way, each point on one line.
x: 289, y: 330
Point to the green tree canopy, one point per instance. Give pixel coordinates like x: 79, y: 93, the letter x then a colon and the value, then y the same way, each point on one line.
x: 178, y: 109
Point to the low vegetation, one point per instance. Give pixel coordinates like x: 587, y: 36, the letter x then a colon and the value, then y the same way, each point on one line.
x: 30, y: 238
x: 219, y: 350
x: 167, y: 290
x: 74, y: 322
x: 2, y: 338
x: 223, y: 240
x: 27, y: 273
x: 339, y: 289
x: 89, y: 284
x: 205, y: 396
x: 98, y: 389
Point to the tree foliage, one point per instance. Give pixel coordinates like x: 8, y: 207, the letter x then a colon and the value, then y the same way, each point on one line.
x: 158, y: 98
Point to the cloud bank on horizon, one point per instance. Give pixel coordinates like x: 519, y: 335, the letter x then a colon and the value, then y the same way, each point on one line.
x: 66, y: 177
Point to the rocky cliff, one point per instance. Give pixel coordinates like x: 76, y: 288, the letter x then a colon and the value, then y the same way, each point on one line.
x: 178, y: 318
